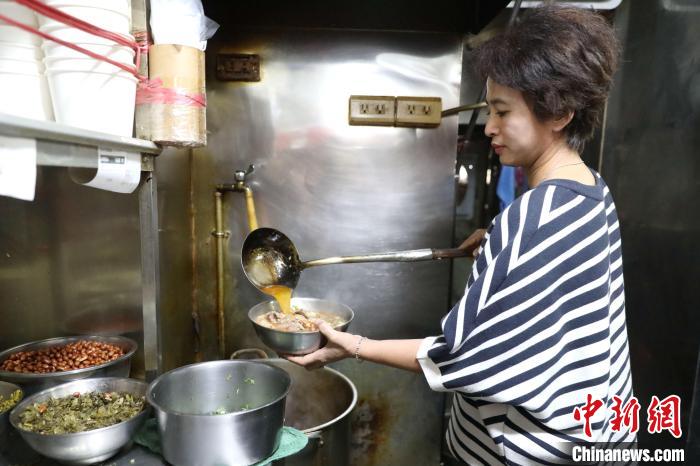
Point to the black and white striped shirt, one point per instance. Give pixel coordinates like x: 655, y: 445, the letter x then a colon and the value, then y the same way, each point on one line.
x: 540, y: 326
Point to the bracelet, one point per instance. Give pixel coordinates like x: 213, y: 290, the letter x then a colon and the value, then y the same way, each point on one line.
x: 357, y: 349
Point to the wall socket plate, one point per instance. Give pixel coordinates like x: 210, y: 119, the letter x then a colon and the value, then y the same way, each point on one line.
x: 420, y: 112
x: 381, y: 110
x: 372, y: 110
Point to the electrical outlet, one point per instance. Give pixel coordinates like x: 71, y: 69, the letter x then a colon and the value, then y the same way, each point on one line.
x: 420, y: 112
x: 372, y: 110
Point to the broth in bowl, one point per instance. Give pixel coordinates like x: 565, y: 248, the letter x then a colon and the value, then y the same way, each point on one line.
x: 299, y: 321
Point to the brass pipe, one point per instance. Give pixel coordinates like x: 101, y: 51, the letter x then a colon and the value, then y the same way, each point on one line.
x: 463, y: 108
x: 250, y: 207
x: 220, y: 235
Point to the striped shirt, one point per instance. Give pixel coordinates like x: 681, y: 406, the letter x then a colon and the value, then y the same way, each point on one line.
x: 540, y: 326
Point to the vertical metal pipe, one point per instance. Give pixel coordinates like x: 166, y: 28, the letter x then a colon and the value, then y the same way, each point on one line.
x: 219, y: 235
x: 250, y: 207
x: 150, y: 273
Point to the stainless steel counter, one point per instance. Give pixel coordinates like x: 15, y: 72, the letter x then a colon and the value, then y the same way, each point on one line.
x: 15, y: 452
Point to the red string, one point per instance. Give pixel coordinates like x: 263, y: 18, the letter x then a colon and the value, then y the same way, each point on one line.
x: 153, y: 92
x: 65, y: 18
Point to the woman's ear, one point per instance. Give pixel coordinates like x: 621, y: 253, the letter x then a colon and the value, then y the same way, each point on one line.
x: 560, y: 123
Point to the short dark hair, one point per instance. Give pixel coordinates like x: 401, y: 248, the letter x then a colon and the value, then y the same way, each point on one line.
x: 562, y: 59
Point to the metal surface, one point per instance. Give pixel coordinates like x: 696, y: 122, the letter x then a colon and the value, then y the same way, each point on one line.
x: 70, y: 264
x: 251, y: 393
x: 150, y: 277
x: 650, y: 163
x: 177, y: 253
x: 32, y: 383
x: 269, y: 258
x: 15, y: 451
x: 338, y: 189
x: 90, y: 446
x: 68, y: 136
x: 298, y: 342
x: 319, y: 404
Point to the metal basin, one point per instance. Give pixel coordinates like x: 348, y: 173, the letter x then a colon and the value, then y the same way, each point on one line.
x: 32, y: 383
x: 298, y: 342
x: 251, y: 394
x: 7, y: 389
x: 90, y: 446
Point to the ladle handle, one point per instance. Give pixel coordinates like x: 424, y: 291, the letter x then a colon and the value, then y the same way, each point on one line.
x: 414, y: 255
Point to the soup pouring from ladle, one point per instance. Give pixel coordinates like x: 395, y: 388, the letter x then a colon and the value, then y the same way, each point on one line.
x: 270, y: 259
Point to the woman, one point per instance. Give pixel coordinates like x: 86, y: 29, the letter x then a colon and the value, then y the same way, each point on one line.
x: 542, y: 322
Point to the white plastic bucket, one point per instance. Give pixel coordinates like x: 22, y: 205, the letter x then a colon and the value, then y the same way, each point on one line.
x: 87, y: 64
x: 112, y: 21
x: 120, y: 6
x: 15, y: 35
x: 96, y: 101
x: 18, y: 12
x: 25, y: 95
x: 8, y: 65
x: 73, y: 35
x: 12, y: 51
x: 117, y: 53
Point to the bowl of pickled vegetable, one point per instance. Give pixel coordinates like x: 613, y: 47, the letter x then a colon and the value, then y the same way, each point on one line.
x: 10, y: 395
x: 82, y: 422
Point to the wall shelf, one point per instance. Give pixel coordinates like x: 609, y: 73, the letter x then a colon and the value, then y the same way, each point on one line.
x: 66, y: 146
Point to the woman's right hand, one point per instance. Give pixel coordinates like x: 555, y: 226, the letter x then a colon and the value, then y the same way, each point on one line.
x: 472, y: 243
x: 340, y: 346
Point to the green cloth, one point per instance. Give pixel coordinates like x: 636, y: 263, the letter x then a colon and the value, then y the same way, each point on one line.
x: 292, y: 441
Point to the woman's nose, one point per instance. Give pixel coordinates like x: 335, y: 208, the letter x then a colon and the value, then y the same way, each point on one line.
x: 490, y: 128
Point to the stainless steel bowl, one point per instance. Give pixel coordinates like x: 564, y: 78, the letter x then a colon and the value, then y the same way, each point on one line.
x: 298, y: 342
x: 90, y: 446
x: 252, y: 395
x: 33, y: 383
x: 6, y: 390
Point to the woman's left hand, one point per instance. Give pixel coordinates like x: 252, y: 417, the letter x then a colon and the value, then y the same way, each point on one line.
x: 340, y: 345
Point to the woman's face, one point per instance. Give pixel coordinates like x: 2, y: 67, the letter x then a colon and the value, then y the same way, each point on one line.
x: 517, y: 136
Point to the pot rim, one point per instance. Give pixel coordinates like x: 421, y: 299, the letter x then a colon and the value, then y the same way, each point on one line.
x: 169, y: 412
x: 345, y: 378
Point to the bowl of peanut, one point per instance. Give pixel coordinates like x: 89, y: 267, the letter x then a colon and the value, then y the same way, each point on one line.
x: 43, y: 364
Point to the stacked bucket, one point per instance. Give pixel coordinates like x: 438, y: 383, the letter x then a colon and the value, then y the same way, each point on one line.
x: 86, y: 92
x: 23, y: 88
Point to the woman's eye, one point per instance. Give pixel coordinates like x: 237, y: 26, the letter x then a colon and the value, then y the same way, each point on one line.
x: 501, y: 114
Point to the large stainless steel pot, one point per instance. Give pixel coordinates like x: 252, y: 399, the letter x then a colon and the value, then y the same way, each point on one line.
x: 33, y: 383
x: 252, y: 396
x: 319, y: 404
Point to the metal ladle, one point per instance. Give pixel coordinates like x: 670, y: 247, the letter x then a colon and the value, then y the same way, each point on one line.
x: 269, y: 258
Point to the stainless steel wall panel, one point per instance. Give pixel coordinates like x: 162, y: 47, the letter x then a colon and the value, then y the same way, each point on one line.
x: 336, y: 189
x: 69, y: 263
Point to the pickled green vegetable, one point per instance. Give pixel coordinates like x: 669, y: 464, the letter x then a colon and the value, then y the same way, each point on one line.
x: 7, y: 403
x: 80, y: 412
